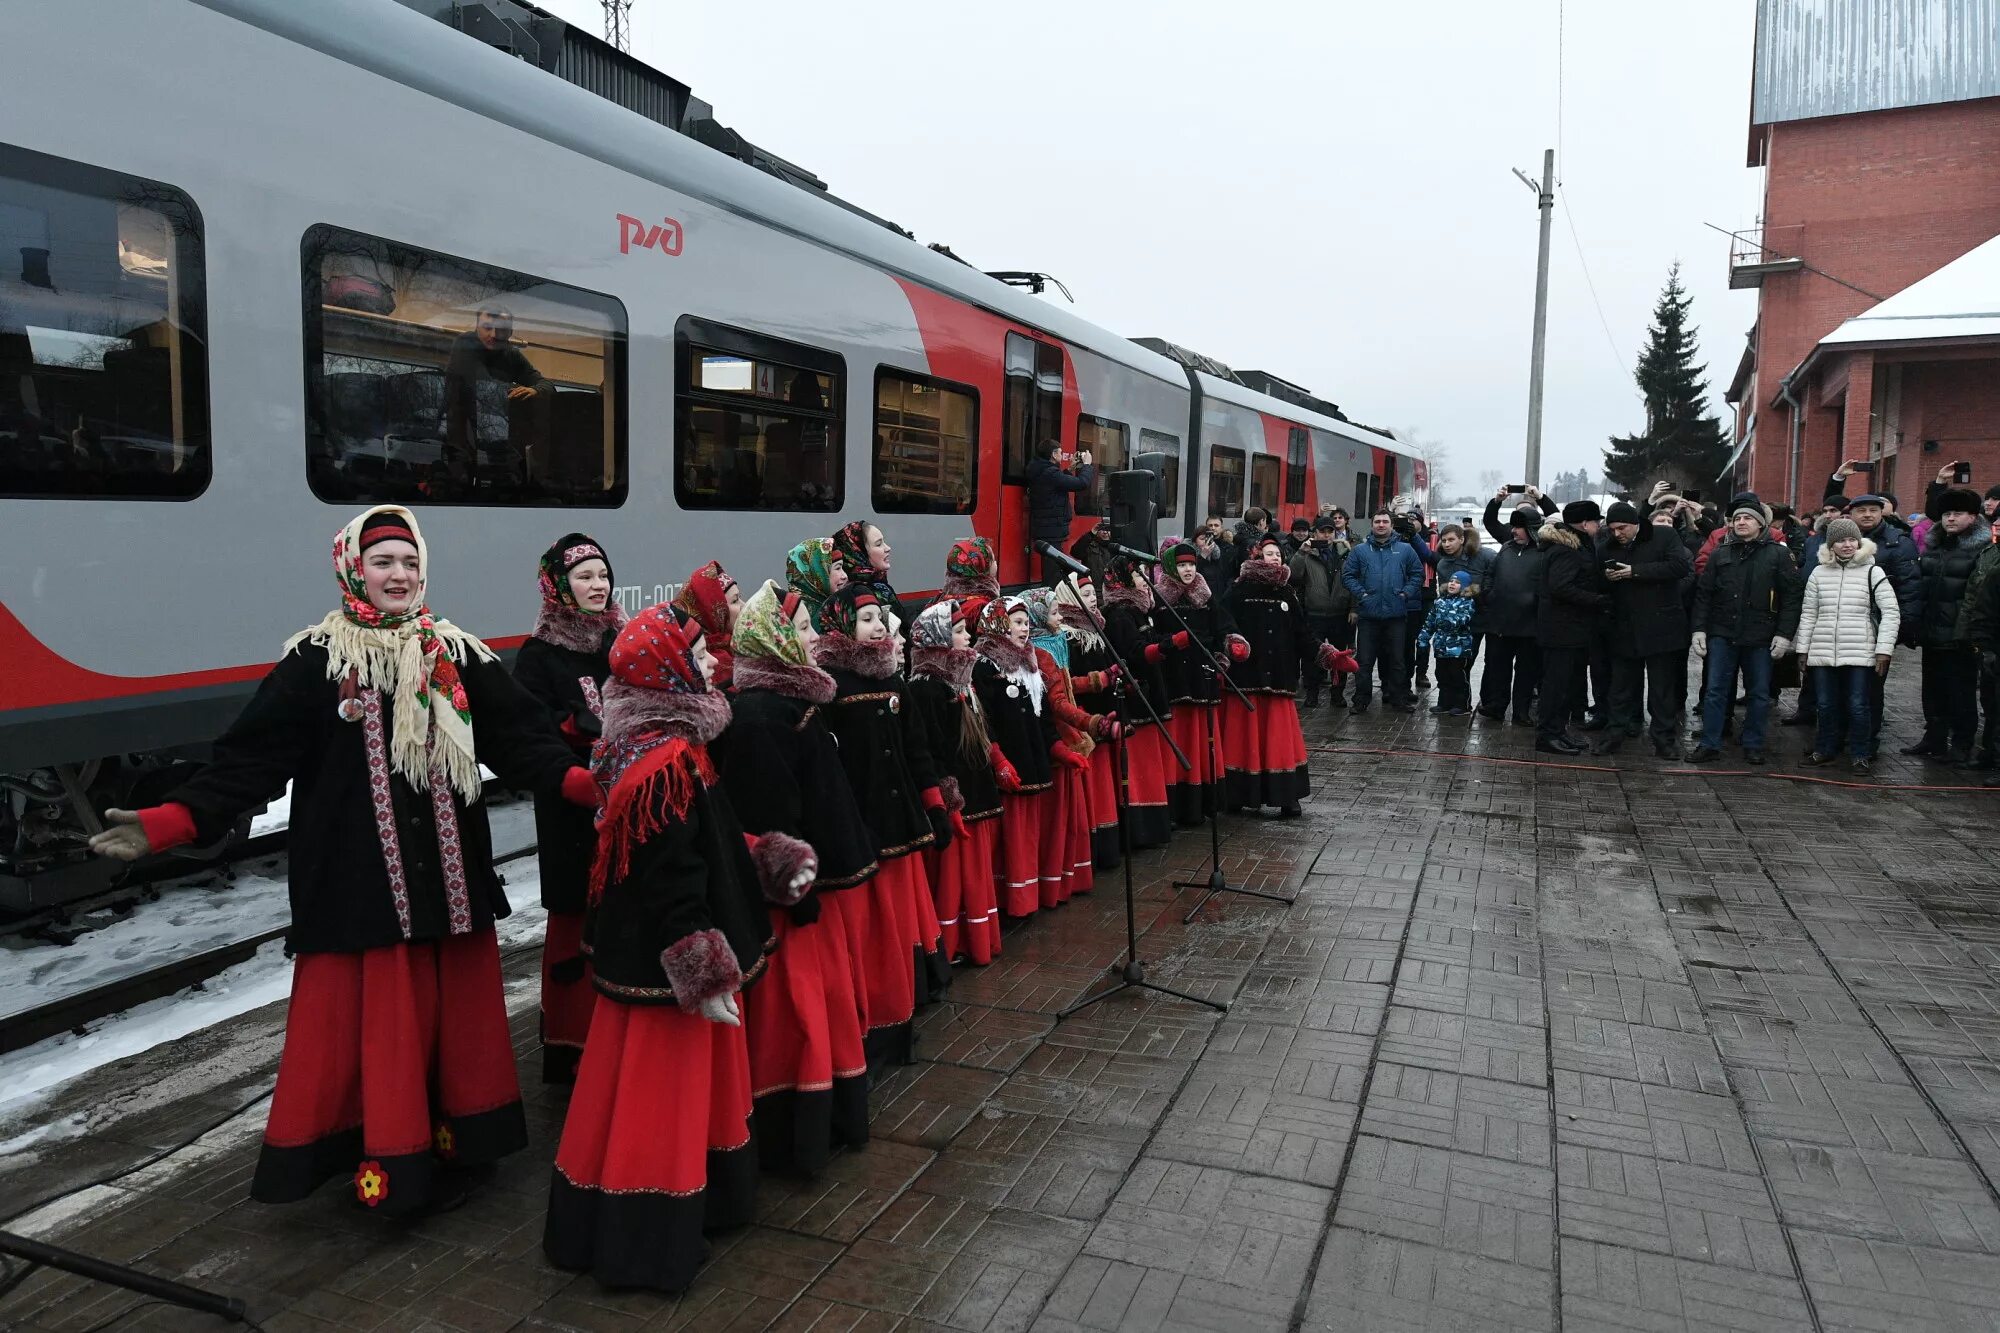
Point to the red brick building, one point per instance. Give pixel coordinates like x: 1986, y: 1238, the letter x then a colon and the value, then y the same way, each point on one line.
x: 1877, y: 123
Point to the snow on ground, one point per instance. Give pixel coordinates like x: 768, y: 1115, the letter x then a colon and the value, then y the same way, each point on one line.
x: 162, y: 930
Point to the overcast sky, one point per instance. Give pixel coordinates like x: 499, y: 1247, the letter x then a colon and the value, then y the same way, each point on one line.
x: 1318, y: 191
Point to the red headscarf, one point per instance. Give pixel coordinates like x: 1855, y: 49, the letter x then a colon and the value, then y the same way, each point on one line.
x: 705, y: 596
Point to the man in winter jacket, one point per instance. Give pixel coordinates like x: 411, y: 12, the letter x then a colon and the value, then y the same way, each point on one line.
x: 1951, y: 665
x: 1746, y: 608
x: 1513, y: 661
x: 1982, y: 631
x: 1986, y: 571
x: 1567, y: 619
x: 1385, y: 578
x: 1316, y: 571
x: 1644, y: 565
x: 1050, y: 508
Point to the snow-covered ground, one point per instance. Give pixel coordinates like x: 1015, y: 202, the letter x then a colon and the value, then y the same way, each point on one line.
x: 190, y: 919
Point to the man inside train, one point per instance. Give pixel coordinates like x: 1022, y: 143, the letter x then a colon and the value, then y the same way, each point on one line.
x: 487, y: 353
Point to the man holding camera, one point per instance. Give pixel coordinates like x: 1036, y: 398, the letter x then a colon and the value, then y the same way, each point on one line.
x: 1050, y: 508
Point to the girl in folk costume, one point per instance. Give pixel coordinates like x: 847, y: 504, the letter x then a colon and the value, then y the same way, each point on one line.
x: 971, y: 569
x: 397, y: 1059
x: 656, y: 1148
x: 1183, y: 596
x: 865, y: 553
x: 1011, y: 694
x: 1128, y: 625
x: 712, y: 598
x: 779, y: 763
x: 1066, y: 868
x: 563, y: 665
x: 943, y: 703
x: 815, y: 573
x: 1264, y: 752
x: 1093, y: 672
x: 892, y: 925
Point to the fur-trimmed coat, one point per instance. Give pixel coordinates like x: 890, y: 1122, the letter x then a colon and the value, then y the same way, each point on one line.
x: 937, y: 707
x: 568, y: 682
x: 1019, y: 720
x: 1574, y: 605
x: 1128, y: 624
x: 888, y: 762
x: 1208, y: 620
x: 1270, y: 613
x: 1849, y: 612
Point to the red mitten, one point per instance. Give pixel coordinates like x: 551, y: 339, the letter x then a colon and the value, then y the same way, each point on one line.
x: 1239, y: 648
x: 933, y: 798
x: 1003, y: 772
x: 167, y: 826
x: 1156, y: 653
x: 581, y: 789
x: 1338, y: 659
x: 1070, y: 757
x: 959, y: 826
x: 1181, y: 640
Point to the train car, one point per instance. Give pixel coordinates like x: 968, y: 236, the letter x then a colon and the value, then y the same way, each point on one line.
x: 287, y: 260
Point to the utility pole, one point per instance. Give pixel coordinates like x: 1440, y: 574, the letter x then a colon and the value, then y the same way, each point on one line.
x: 1545, y: 197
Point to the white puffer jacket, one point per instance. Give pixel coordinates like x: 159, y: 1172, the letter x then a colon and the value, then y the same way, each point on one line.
x: 1835, y: 628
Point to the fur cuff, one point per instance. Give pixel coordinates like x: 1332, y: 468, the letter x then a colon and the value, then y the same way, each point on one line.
x: 1263, y: 571
x: 1173, y: 592
x: 954, y: 799
x: 579, y: 631
x: 780, y: 859
x: 837, y: 651
x: 794, y: 682
x: 951, y: 665
x: 700, y: 967
x: 1009, y: 657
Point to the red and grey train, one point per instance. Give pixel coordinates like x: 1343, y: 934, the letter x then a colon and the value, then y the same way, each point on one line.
x: 285, y: 260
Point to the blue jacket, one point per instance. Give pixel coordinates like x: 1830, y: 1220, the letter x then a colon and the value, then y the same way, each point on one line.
x: 1386, y: 578
x: 1049, y: 506
x: 1447, y: 628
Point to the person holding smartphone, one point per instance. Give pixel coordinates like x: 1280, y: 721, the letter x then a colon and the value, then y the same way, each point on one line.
x: 1644, y: 567
x: 1051, y: 500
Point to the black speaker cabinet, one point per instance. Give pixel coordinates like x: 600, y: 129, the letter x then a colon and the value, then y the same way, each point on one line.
x: 1135, y: 507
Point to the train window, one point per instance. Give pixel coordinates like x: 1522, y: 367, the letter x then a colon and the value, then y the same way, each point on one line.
x: 1298, y: 449
x: 1225, y: 483
x: 1162, y: 453
x: 1363, y: 501
x: 1106, y: 441
x: 441, y: 380
x: 1264, y: 474
x: 757, y: 421
x: 1032, y: 410
x: 103, y: 334
x: 926, y: 445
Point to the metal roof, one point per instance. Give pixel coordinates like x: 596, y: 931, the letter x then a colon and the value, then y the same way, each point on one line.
x: 1960, y: 300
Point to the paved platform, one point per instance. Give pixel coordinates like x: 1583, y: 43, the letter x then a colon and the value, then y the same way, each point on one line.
x: 1615, y: 1044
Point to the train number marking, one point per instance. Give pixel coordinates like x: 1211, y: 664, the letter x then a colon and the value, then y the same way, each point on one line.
x: 666, y: 237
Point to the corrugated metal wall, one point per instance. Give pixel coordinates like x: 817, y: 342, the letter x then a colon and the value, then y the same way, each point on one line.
x: 1833, y: 57
x: 616, y: 78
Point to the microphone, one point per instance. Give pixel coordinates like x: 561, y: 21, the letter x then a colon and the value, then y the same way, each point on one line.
x: 1131, y: 554
x: 1053, y: 552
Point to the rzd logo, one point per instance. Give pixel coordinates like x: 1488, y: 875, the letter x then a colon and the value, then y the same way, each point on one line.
x: 666, y: 237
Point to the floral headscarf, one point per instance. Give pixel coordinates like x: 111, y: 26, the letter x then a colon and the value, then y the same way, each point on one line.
x: 850, y: 547
x: 1041, y: 607
x: 842, y: 611
x: 809, y: 572
x: 563, y: 621
x: 705, y: 597
x: 412, y: 658
x: 933, y: 626
x: 970, y: 567
x: 763, y: 630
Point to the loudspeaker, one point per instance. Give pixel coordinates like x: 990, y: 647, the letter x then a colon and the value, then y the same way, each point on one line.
x: 1135, y: 507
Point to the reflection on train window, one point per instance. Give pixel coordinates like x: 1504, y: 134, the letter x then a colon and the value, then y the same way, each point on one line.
x: 1264, y: 482
x: 1298, y: 448
x: 103, y: 334
x: 1162, y: 453
x: 1225, y: 483
x: 441, y: 380
x: 1106, y: 441
x: 1032, y: 411
x: 926, y: 445
x: 756, y: 421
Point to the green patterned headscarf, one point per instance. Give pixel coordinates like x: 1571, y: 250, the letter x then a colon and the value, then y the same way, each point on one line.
x: 764, y: 630
x: 809, y: 573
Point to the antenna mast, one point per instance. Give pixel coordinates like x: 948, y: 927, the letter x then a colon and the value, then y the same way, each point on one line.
x: 618, y: 23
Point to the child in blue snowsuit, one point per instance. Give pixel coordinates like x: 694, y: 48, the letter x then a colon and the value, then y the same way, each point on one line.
x: 1447, y: 632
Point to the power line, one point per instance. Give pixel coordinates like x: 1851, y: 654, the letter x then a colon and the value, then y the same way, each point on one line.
x: 1609, y: 341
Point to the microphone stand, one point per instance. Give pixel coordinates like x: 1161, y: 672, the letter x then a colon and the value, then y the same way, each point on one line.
x: 40, y: 1254
x: 1216, y: 882
x: 1132, y: 974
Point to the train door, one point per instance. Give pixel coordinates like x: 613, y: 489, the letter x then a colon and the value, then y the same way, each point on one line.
x: 1032, y: 411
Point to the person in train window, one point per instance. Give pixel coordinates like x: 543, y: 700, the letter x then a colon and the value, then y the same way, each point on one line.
x: 892, y: 923
x: 815, y: 573
x: 943, y: 704
x: 1051, y: 507
x: 1093, y: 673
x: 1183, y: 596
x: 714, y: 600
x: 864, y: 554
x: 563, y: 665
x: 1128, y: 626
x: 1264, y: 752
x: 397, y: 1066
x: 782, y: 770
x: 1011, y: 694
x: 656, y: 1146
x: 1067, y: 865
x: 483, y: 353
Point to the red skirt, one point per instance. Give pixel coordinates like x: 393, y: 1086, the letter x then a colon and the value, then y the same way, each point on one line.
x: 808, y: 1072
x: 1065, y: 850
x: 569, y: 994
x: 1102, y: 782
x: 1263, y: 753
x: 655, y: 1149
x: 372, y: 1085
x: 884, y: 937
x: 1018, y: 870
x: 1147, y: 761
x: 962, y: 887
x: 1191, y: 792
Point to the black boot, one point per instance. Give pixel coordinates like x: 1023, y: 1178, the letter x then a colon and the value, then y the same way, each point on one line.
x: 1928, y: 745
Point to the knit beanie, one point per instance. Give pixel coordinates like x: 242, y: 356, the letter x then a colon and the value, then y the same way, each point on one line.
x: 1842, y: 529
x: 1623, y: 513
x: 1748, y: 503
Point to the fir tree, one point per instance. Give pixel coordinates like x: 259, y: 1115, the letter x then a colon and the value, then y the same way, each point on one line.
x: 1683, y: 441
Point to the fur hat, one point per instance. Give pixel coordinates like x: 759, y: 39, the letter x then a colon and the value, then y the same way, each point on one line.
x: 1582, y: 511
x: 1842, y: 529
x: 1959, y: 500
x: 1623, y: 512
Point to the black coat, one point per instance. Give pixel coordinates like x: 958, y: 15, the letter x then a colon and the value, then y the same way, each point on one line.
x: 783, y: 773
x: 888, y: 763
x: 1023, y: 735
x: 1647, y: 614
x: 1084, y: 663
x: 341, y: 897
x: 1272, y: 616
x: 1050, y: 507
x: 1188, y: 678
x: 1749, y: 592
x: 565, y: 834
x: 1131, y: 632
x: 694, y: 874
x: 1573, y: 602
x: 1513, y: 589
x: 935, y: 706
x: 1946, y: 567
